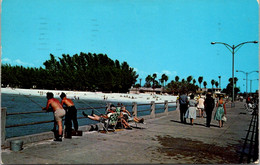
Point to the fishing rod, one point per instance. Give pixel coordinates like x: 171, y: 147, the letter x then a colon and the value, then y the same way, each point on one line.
x: 90, y: 106
x: 30, y: 99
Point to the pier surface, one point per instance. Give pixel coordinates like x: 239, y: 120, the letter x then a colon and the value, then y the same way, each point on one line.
x: 162, y: 140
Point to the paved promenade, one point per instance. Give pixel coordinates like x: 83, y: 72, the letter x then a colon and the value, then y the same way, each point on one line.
x: 162, y: 140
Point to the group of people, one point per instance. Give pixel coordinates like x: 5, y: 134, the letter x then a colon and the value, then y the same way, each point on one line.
x: 124, y: 116
x: 188, y: 108
x: 69, y: 111
x: 66, y: 108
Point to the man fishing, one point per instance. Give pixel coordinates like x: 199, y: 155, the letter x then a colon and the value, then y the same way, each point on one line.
x: 71, y: 114
x: 58, y: 112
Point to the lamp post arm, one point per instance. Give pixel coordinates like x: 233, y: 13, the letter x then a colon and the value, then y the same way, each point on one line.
x: 244, y: 43
x: 227, y: 45
x: 241, y: 71
x: 238, y: 47
x: 253, y: 71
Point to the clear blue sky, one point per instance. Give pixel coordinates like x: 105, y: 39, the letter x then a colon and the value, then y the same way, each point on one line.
x: 152, y: 36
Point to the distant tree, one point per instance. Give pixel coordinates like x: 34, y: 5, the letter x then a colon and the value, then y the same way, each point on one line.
x: 212, y: 83
x: 164, y: 78
x: 216, y: 84
x: 153, y: 79
x: 235, y: 80
x: 194, y: 81
x: 205, y: 84
x: 177, y: 78
x: 77, y: 72
x: 229, y: 89
x: 189, y: 78
x: 200, y: 79
x: 148, y: 81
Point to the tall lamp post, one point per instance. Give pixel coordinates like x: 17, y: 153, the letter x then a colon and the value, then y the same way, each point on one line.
x: 232, y: 50
x: 247, y: 73
x: 219, y: 77
x: 251, y: 84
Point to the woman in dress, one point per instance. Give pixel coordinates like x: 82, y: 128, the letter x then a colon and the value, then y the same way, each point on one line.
x: 221, y: 111
x: 201, y: 106
x: 191, y: 112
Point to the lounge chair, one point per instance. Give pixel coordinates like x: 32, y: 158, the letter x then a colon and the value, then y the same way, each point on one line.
x: 111, y: 122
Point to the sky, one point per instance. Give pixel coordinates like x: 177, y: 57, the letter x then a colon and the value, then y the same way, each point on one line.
x: 153, y: 36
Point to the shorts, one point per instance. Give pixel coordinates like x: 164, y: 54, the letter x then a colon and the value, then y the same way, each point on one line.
x: 59, y: 114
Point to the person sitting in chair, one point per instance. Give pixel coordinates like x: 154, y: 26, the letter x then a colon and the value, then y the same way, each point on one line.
x: 102, y: 118
x: 128, y: 116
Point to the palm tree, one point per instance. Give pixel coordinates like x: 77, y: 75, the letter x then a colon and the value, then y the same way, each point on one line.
x: 177, y: 78
x: 216, y: 84
x: 194, y: 81
x: 164, y: 78
x: 161, y: 81
x: 148, y: 80
x: 200, y: 79
x: 205, y: 84
x: 235, y: 81
x: 212, y: 83
x: 153, y: 78
x: 189, y: 78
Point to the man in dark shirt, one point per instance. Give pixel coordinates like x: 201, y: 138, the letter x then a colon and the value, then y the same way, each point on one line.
x: 209, y: 105
x: 183, y: 100
x: 71, y: 115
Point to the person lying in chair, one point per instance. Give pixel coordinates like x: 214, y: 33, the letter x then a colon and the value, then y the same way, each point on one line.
x: 127, y: 116
x: 102, y: 118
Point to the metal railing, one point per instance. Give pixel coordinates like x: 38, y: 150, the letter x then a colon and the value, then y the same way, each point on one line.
x: 152, y: 111
x: 250, y: 150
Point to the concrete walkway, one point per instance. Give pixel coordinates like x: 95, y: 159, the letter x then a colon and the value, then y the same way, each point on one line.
x: 162, y: 140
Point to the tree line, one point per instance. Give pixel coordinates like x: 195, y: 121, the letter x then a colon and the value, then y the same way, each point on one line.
x: 95, y: 72
x: 91, y: 72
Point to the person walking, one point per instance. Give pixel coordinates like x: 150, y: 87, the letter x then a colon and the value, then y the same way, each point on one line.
x: 209, y: 105
x: 183, y: 101
x: 191, y: 112
x: 221, y: 111
x: 201, y: 106
x: 71, y: 115
x: 58, y: 112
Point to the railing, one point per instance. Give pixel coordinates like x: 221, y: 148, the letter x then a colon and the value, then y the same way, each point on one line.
x: 134, y: 105
x: 250, y: 150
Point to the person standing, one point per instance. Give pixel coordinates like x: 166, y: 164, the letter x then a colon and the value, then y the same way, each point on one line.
x: 71, y: 115
x: 58, y: 112
x: 183, y: 101
x: 201, y: 106
x: 191, y: 112
x: 221, y: 111
x: 209, y: 105
x: 177, y: 103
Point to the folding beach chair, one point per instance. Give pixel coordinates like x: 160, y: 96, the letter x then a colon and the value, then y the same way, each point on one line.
x: 111, y: 122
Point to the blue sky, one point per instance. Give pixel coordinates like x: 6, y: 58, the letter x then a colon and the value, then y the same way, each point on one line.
x: 153, y: 36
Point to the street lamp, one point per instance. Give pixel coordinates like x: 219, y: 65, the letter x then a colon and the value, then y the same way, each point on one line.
x: 251, y: 84
x: 232, y: 50
x: 219, y: 77
x: 247, y: 73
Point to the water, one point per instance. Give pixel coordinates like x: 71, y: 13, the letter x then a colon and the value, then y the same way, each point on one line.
x: 21, y: 103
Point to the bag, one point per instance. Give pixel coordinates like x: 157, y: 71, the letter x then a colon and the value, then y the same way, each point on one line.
x: 224, y: 118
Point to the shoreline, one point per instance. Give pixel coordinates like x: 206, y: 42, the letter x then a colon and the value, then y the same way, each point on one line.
x: 98, y: 96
